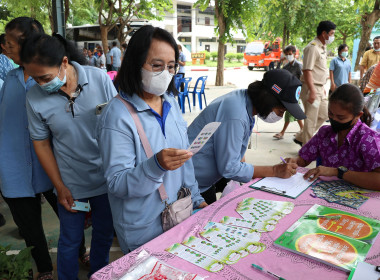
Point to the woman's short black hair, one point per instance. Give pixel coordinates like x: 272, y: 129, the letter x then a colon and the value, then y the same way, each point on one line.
x: 262, y: 99
x: 351, y: 99
x: 290, y: 48
x: 325, y: 26
x: 48, y: 50
x: 26, y: 26
x: 341, y: 47
x: 129, y: 77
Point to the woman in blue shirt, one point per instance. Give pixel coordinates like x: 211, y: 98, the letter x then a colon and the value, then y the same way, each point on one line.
x: 146, y: 82
x: 222, y: 155
x: 62, y: 112
x: 340, y: 68
x: 21, y: 175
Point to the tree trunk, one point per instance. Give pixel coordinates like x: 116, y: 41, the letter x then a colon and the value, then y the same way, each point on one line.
x: 219, y: 81
x: 287, y: 37
x: 104, y: 35
x: 67, y: 11
x: 284, y: 36
x: 220, y: 68
x: 367, y: 22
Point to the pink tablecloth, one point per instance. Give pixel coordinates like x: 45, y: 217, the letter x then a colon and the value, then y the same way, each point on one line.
x: 282, y: 262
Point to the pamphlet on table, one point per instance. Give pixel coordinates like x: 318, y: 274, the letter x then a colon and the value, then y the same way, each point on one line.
x: 336, y: 237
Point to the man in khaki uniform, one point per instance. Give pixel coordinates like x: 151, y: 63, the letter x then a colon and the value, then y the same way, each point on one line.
x: 370, y: 57
x: 315, y: 74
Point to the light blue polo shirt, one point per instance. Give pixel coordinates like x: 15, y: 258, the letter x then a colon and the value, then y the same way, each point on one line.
x: 116, y: 56
x: 21, y: 174
x: 75, y: 148
x: 221, y: 155
x: 341, y: 70
x: 181, y: 58
x: 133, y: 179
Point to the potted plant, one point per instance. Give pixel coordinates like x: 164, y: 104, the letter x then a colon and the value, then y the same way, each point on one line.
x: 15, y: 266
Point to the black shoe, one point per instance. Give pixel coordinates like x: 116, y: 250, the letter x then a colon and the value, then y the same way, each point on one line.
x: 2, y: 220
x: 297, y: 142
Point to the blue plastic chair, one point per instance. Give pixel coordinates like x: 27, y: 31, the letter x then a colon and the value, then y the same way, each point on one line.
x: 177, y: 79
x: 184, y: 94
x: 199, y: 89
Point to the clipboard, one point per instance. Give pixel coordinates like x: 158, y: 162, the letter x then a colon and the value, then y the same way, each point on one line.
x: 291, y: 187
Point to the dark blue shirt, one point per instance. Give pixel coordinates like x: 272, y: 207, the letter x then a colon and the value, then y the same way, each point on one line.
x: 21, y: 174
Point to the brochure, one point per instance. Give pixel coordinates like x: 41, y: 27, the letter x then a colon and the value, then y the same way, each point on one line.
x: 338, y: 242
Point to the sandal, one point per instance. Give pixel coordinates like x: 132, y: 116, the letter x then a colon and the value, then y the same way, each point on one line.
x: 45, y: 276
x: 278, y: 136
x: 85, y: 259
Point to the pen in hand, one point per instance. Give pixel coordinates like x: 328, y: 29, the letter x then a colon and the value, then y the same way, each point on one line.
x: 283, y: 160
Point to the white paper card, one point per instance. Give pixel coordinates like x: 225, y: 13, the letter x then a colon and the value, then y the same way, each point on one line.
x: 365, y: 271
x: 203, y: 136
x: 290, y: 187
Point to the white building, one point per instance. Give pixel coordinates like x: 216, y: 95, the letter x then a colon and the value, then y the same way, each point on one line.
x: 195, y: 29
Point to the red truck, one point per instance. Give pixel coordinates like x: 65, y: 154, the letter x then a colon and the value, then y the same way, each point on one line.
x: 260, y: 54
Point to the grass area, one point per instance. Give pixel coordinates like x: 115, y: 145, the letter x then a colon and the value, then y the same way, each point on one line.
x: 210, y: 63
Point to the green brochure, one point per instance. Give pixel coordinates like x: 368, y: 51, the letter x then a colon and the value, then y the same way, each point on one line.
x: 349, y: 224
x: 340, y: 242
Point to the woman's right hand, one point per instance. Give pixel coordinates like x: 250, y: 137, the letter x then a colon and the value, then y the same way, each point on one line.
x: 65, y: 198
x: 285, y: 170
x: 171, y: 159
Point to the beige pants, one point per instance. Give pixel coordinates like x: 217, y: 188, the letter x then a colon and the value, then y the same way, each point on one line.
x: 316, y: 113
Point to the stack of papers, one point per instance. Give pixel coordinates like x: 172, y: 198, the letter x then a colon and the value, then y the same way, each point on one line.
x: 232, y: 239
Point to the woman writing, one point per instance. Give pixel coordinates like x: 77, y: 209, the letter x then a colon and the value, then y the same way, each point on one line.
x: 146, y: 82
x: 222, y: 155
x: 348, y: 148
x: 62, y: 110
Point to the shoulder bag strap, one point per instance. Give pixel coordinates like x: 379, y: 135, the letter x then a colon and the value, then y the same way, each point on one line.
x: 144, y: 140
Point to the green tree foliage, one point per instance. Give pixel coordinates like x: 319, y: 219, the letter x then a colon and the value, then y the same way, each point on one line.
x: 230, y: 15
x: 119, y: 13
x: 79, y: 12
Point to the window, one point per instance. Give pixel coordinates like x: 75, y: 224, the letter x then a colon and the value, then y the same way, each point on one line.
x: 184, y: 24
x: 207, y: 21
x: 184, y: 9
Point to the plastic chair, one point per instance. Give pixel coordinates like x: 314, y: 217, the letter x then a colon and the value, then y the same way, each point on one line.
x: 183, y: 94
x: 112, y: 74
x: 199, y: 89
x: 177, y: 79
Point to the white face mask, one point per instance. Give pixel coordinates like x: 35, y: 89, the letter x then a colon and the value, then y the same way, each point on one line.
x: 290, y: 58
x: 155, y: 84
x: 271, y: 118
x: 330, y: 40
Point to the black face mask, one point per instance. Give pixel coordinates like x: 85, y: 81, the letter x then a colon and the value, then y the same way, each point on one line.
x: 338, y: 126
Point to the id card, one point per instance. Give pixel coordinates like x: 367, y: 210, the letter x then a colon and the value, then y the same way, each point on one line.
x: 81, y: 206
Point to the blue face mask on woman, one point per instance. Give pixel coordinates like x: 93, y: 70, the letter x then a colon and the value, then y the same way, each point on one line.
x: 55, y: 84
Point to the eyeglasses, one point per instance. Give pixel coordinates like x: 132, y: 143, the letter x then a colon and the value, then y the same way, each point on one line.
x: 158, y: 67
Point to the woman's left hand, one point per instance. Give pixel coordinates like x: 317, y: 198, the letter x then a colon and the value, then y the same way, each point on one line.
x: 320, y: 171
x: 171, y: 159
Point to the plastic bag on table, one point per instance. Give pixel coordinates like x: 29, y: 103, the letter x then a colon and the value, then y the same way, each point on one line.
x: 231, y: 186
x: 148, y: 267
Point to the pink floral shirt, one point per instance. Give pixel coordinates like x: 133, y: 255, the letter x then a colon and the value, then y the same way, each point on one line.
x: 359, y: 152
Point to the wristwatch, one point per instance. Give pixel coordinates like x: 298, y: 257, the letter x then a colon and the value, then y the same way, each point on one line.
x: 341, y: 171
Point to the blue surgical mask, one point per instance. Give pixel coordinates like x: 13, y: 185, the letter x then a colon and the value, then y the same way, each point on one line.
x: 377, y: 50
x: 55, y: 84
x: 344, y: 54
